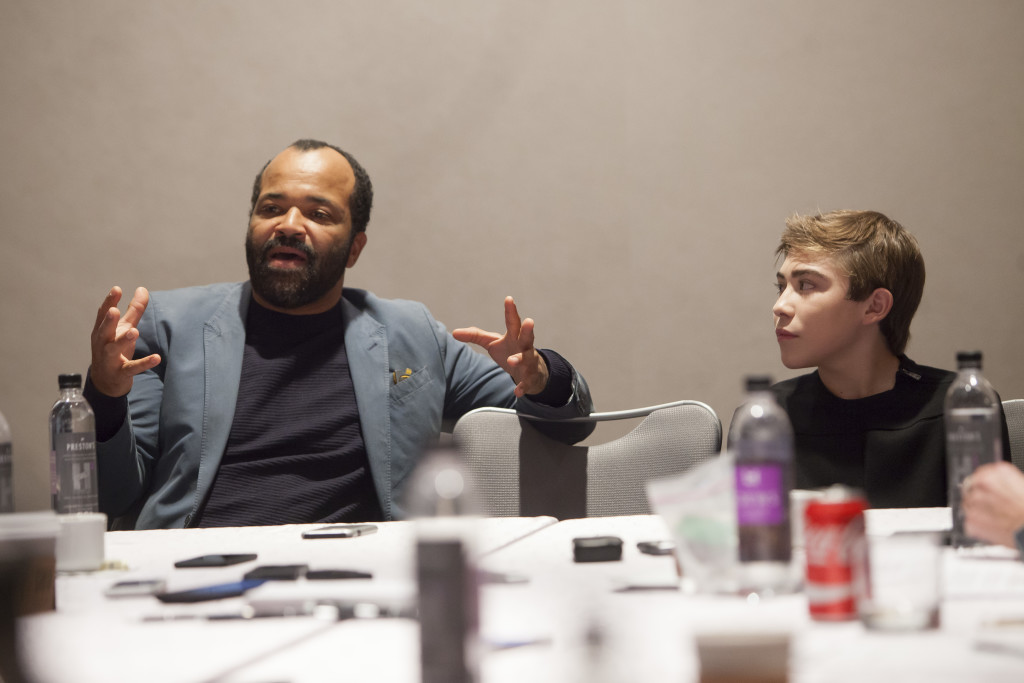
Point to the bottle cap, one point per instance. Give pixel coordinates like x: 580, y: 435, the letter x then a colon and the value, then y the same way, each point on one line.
x: 758, y: 382
x: 70, y: 381
x: 968, y: 359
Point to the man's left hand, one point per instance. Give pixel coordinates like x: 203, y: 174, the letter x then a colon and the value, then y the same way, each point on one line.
x: 513, y: 350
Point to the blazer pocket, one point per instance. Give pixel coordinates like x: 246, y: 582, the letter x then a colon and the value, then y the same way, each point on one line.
x: 409, y: 386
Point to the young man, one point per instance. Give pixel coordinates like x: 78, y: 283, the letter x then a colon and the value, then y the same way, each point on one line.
x: 868, y: 417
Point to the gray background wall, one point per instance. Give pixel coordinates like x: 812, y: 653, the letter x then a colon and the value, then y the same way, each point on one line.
x: 623, y: 168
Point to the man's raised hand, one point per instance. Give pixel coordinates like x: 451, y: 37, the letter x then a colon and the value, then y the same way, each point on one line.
x: 113, y: 344
x: 513, y: 351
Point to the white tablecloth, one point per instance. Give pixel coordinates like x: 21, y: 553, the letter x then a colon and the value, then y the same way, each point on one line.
x: 557, y: 620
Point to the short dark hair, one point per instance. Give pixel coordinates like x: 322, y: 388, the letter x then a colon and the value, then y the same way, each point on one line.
x: 359, y: 202
x: 874, y: 251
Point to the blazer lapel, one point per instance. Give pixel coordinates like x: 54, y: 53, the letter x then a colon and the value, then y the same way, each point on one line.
x: 366, y: 347
x: 223, y: 348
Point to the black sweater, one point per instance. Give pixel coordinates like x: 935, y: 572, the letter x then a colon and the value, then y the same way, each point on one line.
x: 891, y: 445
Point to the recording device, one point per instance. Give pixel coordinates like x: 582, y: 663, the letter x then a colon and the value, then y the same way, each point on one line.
x: 597, y: 549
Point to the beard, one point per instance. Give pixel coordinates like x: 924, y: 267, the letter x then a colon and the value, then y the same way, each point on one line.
x: 295, y: 287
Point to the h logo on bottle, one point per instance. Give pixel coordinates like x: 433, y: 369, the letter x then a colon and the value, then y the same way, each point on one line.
x: 79, y: 476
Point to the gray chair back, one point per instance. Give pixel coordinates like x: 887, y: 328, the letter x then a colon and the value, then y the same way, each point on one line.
x: 520, y: 472
x: 1014, y: 411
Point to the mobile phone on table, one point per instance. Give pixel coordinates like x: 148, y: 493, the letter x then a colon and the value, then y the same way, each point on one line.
x: 215, y: 592
x: 126, y: 589
x: 656, y: 547
x: 276, y: 572
x: 341, y: 531
x: 223, y: 560
x: 329, y: 574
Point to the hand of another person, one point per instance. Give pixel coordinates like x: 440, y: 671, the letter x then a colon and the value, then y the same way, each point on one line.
x: 113, y: 344
x: 994, y: 503
x: 513, y: 350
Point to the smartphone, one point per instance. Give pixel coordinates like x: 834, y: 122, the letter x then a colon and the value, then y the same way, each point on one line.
x: 329, y: 574
x: 126, y: 589
x: 216, y: 560
x: 216, y: 592
x: 341, y: 531
x: 656, y: 547
x: 276, y: 572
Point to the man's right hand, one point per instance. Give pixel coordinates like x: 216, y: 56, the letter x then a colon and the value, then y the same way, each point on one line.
x: 113, y: 344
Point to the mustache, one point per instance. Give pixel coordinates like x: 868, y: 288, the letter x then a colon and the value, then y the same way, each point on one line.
x: 289, y: 242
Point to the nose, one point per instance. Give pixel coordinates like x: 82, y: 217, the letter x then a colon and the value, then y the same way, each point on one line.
x: 782, y: 307
x: 292, y: 223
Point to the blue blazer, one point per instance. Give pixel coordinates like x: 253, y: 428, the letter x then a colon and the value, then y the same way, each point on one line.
x: 162, y: 461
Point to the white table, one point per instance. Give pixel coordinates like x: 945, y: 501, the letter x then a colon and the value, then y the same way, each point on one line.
x: 648, y: 629
x: 981, y: 587
x: 110, y: 640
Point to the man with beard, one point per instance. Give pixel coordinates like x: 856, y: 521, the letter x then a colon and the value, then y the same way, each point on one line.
x: 289, y: 398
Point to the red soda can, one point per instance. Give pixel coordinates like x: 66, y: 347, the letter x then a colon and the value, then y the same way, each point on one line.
x: 833, y: 529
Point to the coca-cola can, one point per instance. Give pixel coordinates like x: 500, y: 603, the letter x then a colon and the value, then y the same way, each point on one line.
x: 833, y: 530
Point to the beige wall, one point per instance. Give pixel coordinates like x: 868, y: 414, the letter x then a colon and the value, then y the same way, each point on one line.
x: 622, y: 168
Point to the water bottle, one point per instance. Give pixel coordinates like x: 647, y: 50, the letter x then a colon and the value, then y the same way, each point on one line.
x: 6, y: 468
x: 973, y: 433
x: 73, y: 486
x: 762, y: 442
x: 441, y: 500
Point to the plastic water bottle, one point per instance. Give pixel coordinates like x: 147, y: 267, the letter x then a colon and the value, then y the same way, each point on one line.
x: 762, y: 442
x: 6, y: 468
x: 442, y: 503
x: 73, y: 486
x: 973, y: 433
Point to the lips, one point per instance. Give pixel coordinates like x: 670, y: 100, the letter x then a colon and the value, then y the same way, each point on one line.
x: 277, y: 255
x: 783, y: 335
x: 286, y: 254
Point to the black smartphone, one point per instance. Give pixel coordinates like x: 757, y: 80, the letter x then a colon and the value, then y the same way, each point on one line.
x: 341, y: 531
x: 656, y: 547
x: 328, y: 574
x: 276, y: 572
x: 216, y: 560
x: 216, y: 592
x: 127, y: 589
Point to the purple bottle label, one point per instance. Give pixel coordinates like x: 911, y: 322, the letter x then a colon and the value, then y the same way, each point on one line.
x: 759, y: 495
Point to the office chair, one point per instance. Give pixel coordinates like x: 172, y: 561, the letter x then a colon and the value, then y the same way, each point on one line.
x: 1014, y: 411
x: 519, y: 472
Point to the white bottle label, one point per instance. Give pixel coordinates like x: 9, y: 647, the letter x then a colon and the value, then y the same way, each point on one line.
x: 75, y: 460
x: 973, y: 439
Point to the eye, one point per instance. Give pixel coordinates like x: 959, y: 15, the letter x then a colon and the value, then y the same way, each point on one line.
x: 780, y: 287
x: 805, y: 285
x: 268, y: 210
x: 321, y: 215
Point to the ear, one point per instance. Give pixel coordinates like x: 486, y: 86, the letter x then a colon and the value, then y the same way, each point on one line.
x: 877, y: 306
x: 358, y: 242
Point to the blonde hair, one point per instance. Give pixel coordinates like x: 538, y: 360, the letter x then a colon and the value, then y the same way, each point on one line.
x: 874, y: 251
